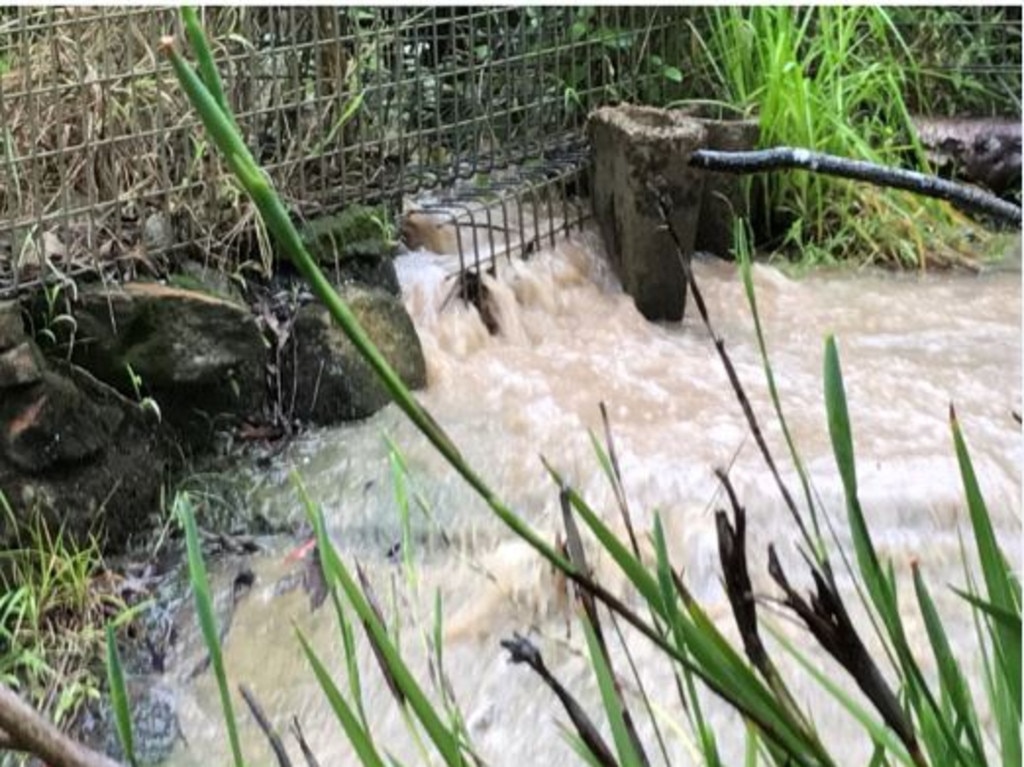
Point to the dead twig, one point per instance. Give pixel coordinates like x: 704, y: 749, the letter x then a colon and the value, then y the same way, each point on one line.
x: 522, y: 650
x: 22, y: 728
x: 268, y: 729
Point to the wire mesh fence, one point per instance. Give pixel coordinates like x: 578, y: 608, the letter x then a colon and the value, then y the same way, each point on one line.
x: 105, y: 169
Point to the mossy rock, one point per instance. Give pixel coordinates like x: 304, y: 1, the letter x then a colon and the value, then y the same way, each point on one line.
x: 355, y: 245
x: 200, y: 357
x: 332, y: 383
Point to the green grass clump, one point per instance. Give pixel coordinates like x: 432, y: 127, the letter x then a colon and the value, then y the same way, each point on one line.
x: 831, y: 79
x: 53, y: 607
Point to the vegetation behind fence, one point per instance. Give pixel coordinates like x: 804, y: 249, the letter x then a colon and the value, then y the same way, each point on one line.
x: 104, y: 167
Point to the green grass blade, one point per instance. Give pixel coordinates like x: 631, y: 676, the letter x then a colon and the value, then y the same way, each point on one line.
x: 119, y: 698
x: 336, y: 573
x: 351, y: 658
x: 742, y: 249
x: 670, y: 605
x: 880, y: 583
x: 1009, y: 620
x: 876, y: 730
x: 207, y: 621
x: 207, y: 69
x: 356, y: 733
x: 1002, y: 586
x: 628, y: 756
x: 638, y: 575
x: 953, y: 683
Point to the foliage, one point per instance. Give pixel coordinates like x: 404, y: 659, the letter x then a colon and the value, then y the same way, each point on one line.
x: 968, y: 59
x: 831, y: 79
x: 54, y: 603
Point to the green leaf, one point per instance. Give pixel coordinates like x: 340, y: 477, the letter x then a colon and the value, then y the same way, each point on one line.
x: 207, y: 622
x: 119, y: 698
x: 672, y: 73
x: 335, y: 572
x: 876, y: 730
x: 207, y: 69
x: 356, y: 733
x: 610, y: 698
x: 953, y: 684
x: 1002, y: 586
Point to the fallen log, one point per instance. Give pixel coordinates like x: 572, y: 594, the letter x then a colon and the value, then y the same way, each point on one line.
x: 982, y: 150
x: 968, y: 198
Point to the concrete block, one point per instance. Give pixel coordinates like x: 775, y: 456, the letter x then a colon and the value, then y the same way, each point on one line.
x: 637, y: 148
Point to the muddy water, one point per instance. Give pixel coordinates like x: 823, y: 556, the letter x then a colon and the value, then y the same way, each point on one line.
x: 910, y: 346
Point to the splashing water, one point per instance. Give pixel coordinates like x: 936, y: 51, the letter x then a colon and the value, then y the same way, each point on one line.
x: 569, y: 340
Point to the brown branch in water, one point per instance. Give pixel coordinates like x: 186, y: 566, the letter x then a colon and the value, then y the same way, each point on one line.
x: 827, y: 620
x: 730, y: 371
x: 307, y: 752
x: 378, y: 652
x: 732, y: 543
x: 968, y: 198
x: 522, y: 650
x: 23, y: 729
x: 732, y: 554
x: 268, y: 729
x: 577, y: 556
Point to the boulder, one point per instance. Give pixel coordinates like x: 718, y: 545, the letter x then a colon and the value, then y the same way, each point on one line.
x: 201, y: 357
x: 81, y: 455
x: 330, y: 380
x: 354, y: 245
x: 12, y: 326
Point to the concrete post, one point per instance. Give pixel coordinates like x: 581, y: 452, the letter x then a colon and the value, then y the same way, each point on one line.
x: 723, y: 199
x: 636, y: 147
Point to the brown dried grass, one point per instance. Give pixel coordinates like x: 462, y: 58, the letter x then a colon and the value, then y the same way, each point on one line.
x: 96, y: 138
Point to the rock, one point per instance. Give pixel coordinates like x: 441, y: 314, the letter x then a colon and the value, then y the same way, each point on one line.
x: 85, y: 458
x: 12, y: 327
x: 157, y: 233
x: 636, y: 150
x: 53, y: 423
x: 200, y: 357
x: 20, y: 366
x: 193, y: 275
x: 332, y: 382
x: 985, y: 150
x: 354, y: 245
x: 156, y: 728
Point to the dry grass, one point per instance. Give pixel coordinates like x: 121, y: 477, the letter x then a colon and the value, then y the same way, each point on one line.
x: 99, y: 145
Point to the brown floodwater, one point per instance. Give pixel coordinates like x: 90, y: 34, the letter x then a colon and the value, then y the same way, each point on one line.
x: 910, y: 345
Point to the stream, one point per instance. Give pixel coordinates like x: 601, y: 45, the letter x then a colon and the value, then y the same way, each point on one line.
x: 910, y: 344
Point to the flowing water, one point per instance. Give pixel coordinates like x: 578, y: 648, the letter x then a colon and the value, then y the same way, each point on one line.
x: 910, y: 345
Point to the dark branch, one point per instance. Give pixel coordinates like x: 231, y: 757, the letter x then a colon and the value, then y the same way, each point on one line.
x: 969, y: 198
x: 268, y: 729
x: 522, y: 650
x: 24, y: 729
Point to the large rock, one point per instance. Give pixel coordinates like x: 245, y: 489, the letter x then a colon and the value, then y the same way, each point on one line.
x: 201, y: 357
x: 640, y: 153
x: 76, y: 452
x: 354, y: 246
x: 332, y: 382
